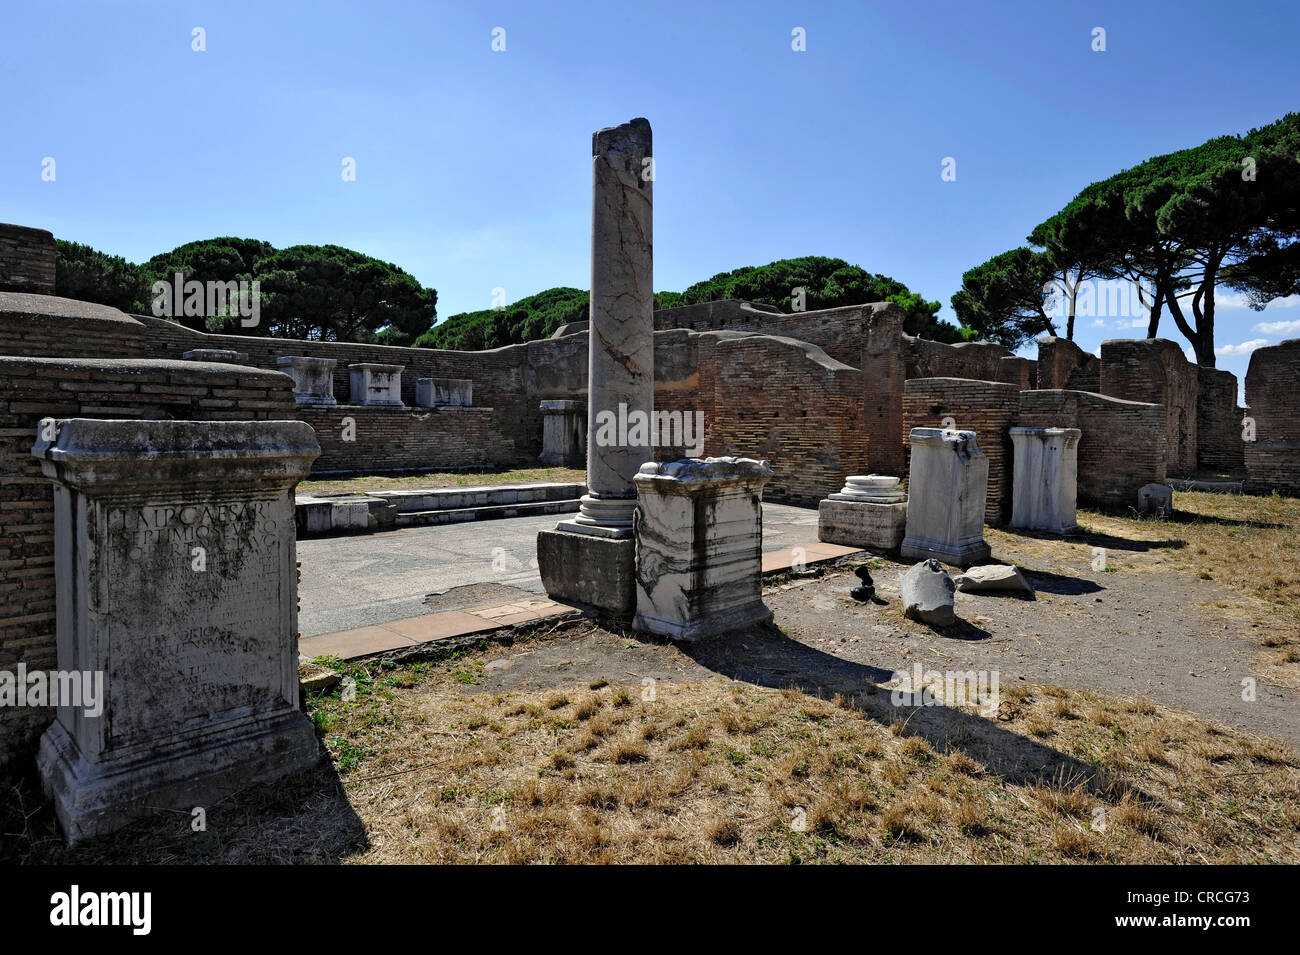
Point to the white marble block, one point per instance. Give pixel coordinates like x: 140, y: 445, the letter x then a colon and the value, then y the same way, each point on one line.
x: 564, y: 433
x: 1044, y: 479
x: 313, y: 379
x: 699, y: 547
x: 946, y: 487
x: 869, y: 511
x: 376, y: 384
x: 174, y: 556
x: 444, y: 392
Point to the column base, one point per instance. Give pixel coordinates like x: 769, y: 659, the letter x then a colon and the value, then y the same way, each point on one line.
x: 588, y: 566
x: 861, y: 523
x: 958, y: 555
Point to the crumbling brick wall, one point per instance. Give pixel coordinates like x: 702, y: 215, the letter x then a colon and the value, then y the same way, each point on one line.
x: 1155, y: 370
x: 1273, y: 394
x: 989, y: 408
x: 1219, y: 446
x: 27, y: 261
x: 978, y: 360
x: 36, y: 388
x: 1021, y: 372
x: 50, y: 327
x: 1063, y: 364
x: 1122, y: 445
x: 783, y: 400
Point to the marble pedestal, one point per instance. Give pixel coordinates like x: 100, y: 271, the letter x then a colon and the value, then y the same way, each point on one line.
x: 313, y: 379
x: 376, y: 385
x: 699, y: 547
x: 946, y: 487
x: 1044, y: 479
x: 444, y: 392
x: 564, y: 433
x: 870, y: 511
x: 174, y: 557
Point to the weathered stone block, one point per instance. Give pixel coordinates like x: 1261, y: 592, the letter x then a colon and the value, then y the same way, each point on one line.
x: 1156, y: 499
x: 699, y: 546
x: 946, y: 489
x: 869, y: 511
x: 564, y: 433
x: 376, y: 384
x: 313, y: 379
x: 444, y: 392
x: 599, y: 571
x: 224, y: 355
x: 1045, y: 483
x: 175, y: 556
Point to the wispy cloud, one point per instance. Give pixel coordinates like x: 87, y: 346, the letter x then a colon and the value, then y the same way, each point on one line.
x: 1277, y: 328
x: 1245, y: 348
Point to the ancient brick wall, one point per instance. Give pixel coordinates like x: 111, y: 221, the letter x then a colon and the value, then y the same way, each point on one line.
x: 989, y: 408
x: 27, y: 262
x: 1273, y: 394
x: 392, y: 439
x: 1156, y: 370
x: 1122, y: 445
x: 977, y: 360
x: 1021, y: 372
x: 35, y: 388
x: 46, y: 326
x: 1218, y: 422
x: 786, y: 401
x: 1063, y: 364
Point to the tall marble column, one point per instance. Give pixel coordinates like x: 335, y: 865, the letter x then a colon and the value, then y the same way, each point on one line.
x: 620, y: 376
x: 590, y: 558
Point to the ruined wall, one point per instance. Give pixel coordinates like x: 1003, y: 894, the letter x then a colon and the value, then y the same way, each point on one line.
x: 46, y: 326
x: 1218, y: 422
x: 1021, y: 372
x: 27, y: 262
x: 786, y: 401
x: 1063, y: 364
x: 1273, y: 394
x: 1122, y: 446
x: 390, y: 439
x: 35, y: 388
x: 1156, y: 370
x: 989, y: 408
x: 977, y: 360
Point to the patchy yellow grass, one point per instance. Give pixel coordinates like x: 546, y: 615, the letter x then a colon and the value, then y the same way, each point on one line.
x: 435, y: 479
x: 727, y: 772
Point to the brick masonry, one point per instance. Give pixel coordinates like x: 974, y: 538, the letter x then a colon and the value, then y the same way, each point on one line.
x: 1063, y: 364
x: 394, y: 439
x: 1273, y: 394
x: 989, y: 408
x: 1219, y: 447
x: 27, y: 262
x: 1122, y: 446
x: 35, y: 388
x: 1156, y: 370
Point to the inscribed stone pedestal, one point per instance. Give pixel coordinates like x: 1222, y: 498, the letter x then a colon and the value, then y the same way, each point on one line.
x: 1044, y: 482
x: 313, y: 379
x: 946, y: 487
x: 376, y: 384
x: 564, y: 433
x: 869, y: 511
x: 699, y: 547
x: 174, y: 556
x: 444, y: 392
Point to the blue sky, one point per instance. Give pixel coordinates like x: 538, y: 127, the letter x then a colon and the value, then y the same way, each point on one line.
x: 472, y: 166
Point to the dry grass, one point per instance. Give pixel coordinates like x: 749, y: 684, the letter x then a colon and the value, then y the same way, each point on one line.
x: 725, y: 772
x: 433, y: 479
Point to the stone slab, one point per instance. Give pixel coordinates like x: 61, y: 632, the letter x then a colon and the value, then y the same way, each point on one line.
x: 586, y: 569
x: 862, y: 524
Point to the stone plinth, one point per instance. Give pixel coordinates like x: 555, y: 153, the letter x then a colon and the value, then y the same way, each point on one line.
x: 174, y: 554
x: 444, y: 392
x: 313, y: 379
x: 946, y: 487
x: 599, y: 571
x: 869, y: 511
x: 564, y: 433
x: 1045, y: 479
x: 376, y: 385
x: 224, y: 355
x: 699, y: 547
